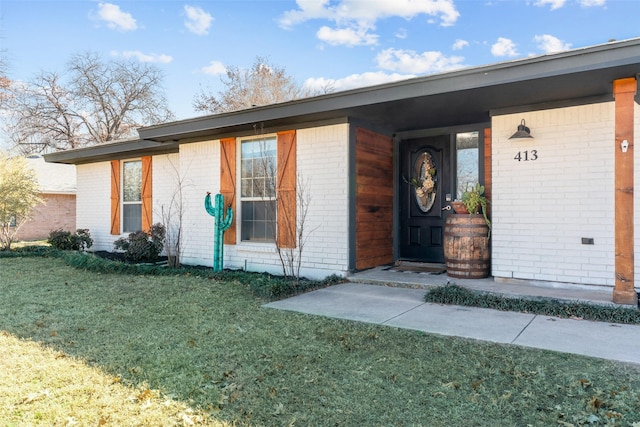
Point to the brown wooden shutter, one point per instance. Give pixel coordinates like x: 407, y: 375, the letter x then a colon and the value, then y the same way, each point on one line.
x: 228, y: 183
x: 147, y: 188
x: 115, y: 197
x: 286, y: 190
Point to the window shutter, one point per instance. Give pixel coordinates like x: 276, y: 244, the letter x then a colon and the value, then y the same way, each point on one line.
x: 147, y: 188
x: 115, y: 197
x: 228, y: 183
x: 286, y: 190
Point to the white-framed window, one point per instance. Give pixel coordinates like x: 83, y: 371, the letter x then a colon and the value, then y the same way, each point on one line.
x: 258, y: 189
x: 131, y: 196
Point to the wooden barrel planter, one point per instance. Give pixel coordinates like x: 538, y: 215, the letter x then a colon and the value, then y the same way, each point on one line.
x: 466, y: 246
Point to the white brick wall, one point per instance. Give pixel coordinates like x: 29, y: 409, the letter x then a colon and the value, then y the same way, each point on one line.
x: 166, y: 191
x: 543, y: 208
x: 200, y: 166
x: 94, y: 197
x: 93, y: 204
x: 322, y: 161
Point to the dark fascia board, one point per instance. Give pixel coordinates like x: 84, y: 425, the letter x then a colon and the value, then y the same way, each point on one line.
x: 111, y: 151
x: 608, y: 55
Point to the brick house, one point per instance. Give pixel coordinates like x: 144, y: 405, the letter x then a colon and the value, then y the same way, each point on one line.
x: 562, y: 202
x: 57, y: 183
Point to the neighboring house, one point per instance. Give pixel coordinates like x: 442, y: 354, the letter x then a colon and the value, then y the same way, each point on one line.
x: 562, y: 202
x: 57, y: 185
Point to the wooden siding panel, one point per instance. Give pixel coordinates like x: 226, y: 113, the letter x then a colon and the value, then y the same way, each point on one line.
x: 487, y: 168
x: 374, y: 199
x: 228, y: 182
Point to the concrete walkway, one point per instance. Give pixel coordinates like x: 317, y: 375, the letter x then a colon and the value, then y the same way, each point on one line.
x: 403, y: 307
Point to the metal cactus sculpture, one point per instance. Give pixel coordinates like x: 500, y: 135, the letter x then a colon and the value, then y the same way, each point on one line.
x: 220, y: 226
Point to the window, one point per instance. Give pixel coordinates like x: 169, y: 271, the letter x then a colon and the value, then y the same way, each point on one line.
x: 132, y: 196
x: 467, y: 155
x: 258, y: 190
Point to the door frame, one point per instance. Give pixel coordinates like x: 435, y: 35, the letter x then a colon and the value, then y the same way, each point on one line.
x: 399, y: 137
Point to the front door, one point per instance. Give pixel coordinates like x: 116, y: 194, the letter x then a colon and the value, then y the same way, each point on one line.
x: 424, y: 186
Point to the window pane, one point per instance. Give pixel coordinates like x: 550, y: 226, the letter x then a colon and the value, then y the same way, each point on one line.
x: 247, y: 168
x: 132, y: 176
x: 467, y: 153
x: 258, y: 221
x: 247, y: 187
x: 132, y: 217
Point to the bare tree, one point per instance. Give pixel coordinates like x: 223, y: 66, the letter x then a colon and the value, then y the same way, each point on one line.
x: 93, y: 102
x: 5, y: 83
x: 292, y: 223
x: 262, y: 84
x: 295, y: 226
x: 172, y: 215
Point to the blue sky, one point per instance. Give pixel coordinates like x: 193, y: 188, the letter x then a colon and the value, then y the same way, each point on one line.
x: 343, y: 43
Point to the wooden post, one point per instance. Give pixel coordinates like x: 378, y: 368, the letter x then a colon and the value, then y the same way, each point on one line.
x: 624, y: 291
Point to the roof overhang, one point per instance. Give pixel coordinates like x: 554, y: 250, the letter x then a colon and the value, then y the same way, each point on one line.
x: 454, y: 98
x: 111, y: 151
x: 447, y: 99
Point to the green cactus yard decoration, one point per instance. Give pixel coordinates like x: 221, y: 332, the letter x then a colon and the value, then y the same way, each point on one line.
x: 220, y: 226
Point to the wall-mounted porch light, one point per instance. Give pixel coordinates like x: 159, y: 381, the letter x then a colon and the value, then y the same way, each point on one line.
x: 522, y: 132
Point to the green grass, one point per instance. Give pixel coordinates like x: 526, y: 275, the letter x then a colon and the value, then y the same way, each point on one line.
x: 458, y: 295
x: 207, y: 349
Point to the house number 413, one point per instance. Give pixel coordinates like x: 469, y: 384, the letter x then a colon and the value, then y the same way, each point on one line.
x: 525, y: 156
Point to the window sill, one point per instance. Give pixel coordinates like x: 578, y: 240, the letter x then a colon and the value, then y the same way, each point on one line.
x: 267, y: 247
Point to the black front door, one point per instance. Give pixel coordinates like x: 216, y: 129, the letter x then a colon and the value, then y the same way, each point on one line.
x: 424, y: 186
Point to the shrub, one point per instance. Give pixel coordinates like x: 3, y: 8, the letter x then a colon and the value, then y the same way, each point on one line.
x: 142, y: 246
x: 64, y: 240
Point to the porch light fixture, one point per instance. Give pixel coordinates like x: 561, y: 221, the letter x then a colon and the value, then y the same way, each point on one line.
x: 522, y: 132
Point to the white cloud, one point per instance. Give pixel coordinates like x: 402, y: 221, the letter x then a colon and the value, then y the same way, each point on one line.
x: 504, y: 47
x: 214, y: 68
x: 369, y: 11
x: 591, y: 3
x: 357, y: 17
x: 401, y: 33
x: 144, y: 57
x: 555, y: 4
x: 408, y: 61
x: 320, y: 84
x: 460, y: 44
x: 549, y: 44
x: 346, y: 36
x: 198, y: 21
x: 115, y: 18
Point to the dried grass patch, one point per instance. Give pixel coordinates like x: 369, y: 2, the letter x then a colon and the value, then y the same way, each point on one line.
x: 41, y: 386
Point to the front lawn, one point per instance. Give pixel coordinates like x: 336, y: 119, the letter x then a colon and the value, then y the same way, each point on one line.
x: 82, y: 348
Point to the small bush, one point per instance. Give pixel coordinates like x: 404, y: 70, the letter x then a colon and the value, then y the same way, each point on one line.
x: 64, y: 240
x: 142, y: 246
x: 458, y: 295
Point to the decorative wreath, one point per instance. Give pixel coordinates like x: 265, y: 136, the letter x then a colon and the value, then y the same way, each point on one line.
x: 424, y: 181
